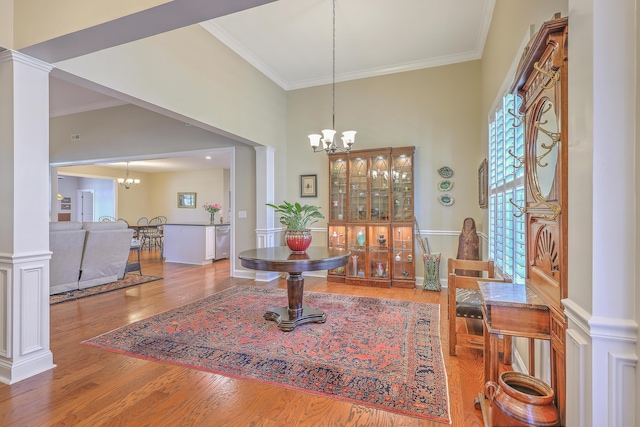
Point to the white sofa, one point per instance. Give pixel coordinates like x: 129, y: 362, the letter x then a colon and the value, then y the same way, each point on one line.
x: 106, y: 249
x: 87, y: 254
x: 66, y: 242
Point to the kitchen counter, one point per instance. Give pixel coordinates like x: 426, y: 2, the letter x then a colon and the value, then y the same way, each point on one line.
x: 201, y: 224
x: 193, y: 242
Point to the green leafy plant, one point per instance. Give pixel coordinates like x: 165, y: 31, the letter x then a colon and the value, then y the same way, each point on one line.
x: 294, y: 216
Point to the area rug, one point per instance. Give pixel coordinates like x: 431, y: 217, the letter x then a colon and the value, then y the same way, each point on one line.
x: 128, y: 280
x: 377, y: 352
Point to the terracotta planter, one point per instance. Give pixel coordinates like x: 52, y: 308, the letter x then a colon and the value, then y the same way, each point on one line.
x: 521, y: 400
x: 298, y: 240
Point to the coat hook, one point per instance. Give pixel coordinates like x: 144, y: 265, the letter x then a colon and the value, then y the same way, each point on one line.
x: 554, y: 77
x: 520, y: 208
x: 518, y: 118
x: 519, y: 159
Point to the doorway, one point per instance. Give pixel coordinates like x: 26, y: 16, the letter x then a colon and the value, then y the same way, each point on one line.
x: 85, y: 207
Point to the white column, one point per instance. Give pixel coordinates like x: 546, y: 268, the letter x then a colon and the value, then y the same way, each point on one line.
x: 24, y: 217
x: 265, y: 181
x: 613, y: 325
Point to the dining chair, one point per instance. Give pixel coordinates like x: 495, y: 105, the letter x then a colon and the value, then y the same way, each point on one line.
x: 155, y: 233
x: 465, y: 302
x: 141, y: 231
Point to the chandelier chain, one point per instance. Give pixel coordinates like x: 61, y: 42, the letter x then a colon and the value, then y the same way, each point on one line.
x: 333, y: 108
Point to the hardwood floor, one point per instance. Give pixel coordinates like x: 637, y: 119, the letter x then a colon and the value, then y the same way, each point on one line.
x: 93, y: 387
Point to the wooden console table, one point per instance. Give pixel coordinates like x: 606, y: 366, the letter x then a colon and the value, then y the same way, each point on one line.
x: 513, y: 310
x: 281, y: 259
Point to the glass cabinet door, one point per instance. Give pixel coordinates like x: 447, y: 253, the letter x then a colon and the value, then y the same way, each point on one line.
x: 403, y: 263
x: 337, y: 240
x: 379, y: 180
x: 378, y: 243
x: 402, y: 175
x: 358, y: 190
x: 357, y: 245
x: 337, y: 189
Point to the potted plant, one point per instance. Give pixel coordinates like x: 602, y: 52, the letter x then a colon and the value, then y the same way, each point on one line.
x: 297, y: 218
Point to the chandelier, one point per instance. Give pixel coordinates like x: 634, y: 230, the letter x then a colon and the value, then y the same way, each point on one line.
x: 348, y: 137
x: 127, y: 182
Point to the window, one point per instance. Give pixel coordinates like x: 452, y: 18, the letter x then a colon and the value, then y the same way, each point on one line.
x: 506, y: 185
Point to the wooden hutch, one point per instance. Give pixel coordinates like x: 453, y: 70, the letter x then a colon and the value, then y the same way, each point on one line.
x: 541, y: 83
x: 371, y: 215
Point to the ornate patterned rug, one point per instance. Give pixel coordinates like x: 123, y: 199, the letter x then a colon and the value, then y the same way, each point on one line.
x: 128, y: 280
x: 377, y: 352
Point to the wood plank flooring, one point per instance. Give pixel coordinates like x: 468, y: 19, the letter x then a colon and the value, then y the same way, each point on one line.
x: 93, y: 387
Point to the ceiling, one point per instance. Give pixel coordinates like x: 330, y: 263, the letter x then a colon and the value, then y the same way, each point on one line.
x: 290, y: 41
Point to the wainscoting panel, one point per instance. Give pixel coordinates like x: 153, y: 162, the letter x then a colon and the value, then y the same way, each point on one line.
x: 578, y: 377
x: 31, y: 297
x: 622, y: 377
x: 578, y: 365
x: 5, y: 308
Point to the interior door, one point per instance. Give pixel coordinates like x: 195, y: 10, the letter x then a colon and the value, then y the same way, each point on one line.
x: 86, y: 205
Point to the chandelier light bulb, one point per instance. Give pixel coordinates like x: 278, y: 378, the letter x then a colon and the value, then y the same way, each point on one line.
x: 348, y: 137
x: 314, y: 139
x: 327, y: 135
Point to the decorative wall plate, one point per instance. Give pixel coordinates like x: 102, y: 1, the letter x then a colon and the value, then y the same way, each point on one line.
x: 445, y: 172
x: 445, y: 185
x: 446, y: 200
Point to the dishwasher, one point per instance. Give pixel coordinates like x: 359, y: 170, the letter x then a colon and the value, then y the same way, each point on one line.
x: 223, y: 240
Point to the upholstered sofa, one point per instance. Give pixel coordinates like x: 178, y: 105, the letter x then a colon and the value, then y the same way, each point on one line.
x: 87, y: 254
x: 66, y: 242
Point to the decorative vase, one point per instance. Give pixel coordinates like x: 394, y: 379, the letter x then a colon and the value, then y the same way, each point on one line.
x: 212, y: 219
x: 521, y: 400
x: 380, y: 269
x: 360, y: 237
x: 432, y: 271
x: 298, y: 240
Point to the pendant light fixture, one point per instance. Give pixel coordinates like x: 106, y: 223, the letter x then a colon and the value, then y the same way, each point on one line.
x: 127, y: 182
x: 327, y: 138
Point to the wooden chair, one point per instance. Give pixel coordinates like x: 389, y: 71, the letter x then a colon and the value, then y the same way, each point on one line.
x: 465, y: 302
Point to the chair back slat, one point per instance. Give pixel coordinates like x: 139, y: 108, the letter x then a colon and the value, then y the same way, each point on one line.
x: 465, y: 264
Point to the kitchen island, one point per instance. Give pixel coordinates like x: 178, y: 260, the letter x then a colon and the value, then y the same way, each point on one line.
x: 193, y: 243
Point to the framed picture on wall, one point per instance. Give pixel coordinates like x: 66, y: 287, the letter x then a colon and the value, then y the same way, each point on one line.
x: 308, y: 185
x: 482, y: 184
x: 187, y: 200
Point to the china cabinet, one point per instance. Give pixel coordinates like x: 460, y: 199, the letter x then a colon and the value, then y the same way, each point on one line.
x: 371, y: 215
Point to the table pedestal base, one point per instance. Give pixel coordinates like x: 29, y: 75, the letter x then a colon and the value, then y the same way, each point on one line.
x: 288, y: 319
